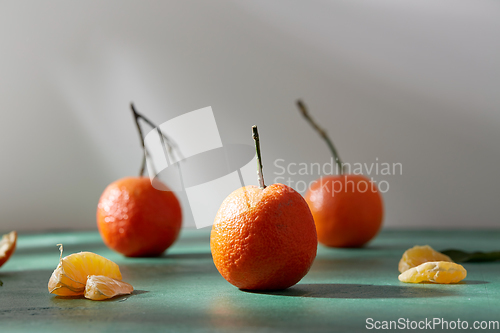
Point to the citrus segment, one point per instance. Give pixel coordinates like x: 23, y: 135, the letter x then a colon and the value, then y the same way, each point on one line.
x: 418, y: 255
x: 436, y: 272
x: 70, y: 276
x: 101, y: 287
x: 7, y: 246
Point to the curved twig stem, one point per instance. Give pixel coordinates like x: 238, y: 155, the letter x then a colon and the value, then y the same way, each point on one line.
x: 255, y: 135
x: 141, y: 136
x: 168, y: 141
x: 171, y: 144
x: 303, y: 109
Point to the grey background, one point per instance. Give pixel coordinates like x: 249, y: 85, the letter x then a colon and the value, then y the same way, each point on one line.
x: 412, y: 82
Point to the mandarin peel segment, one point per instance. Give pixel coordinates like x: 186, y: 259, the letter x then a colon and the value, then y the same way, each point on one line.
x: 418, y: 255
x: 99, y: 287
x: 441, y: 272
x: 7, y: 246
x: 70, y: 276
x: 60, y: 284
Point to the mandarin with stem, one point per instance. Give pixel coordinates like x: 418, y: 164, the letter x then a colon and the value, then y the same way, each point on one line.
x: 136, y: 219
x: 263, y: 238
x: 347, y: 208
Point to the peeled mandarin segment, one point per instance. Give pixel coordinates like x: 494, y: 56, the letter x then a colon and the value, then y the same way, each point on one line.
x: 418, y: 255
x: 61, y: 285
x: 100, y: 287
x: 436, y: 272
x: 70, y: 276
x: 7, y: 246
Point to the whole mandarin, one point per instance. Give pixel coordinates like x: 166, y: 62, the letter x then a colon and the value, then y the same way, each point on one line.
x: 347, y: 210
x: 263, y: 239
x: 136, y: 219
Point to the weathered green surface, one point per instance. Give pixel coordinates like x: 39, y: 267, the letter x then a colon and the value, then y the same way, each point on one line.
x: 182, y: 291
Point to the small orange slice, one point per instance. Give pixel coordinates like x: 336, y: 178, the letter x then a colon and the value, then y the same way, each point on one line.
x: 7, y: 246
x: 70, y: 276
x: 418, y: 255
x: 101, y: 287
x: 436, y: 272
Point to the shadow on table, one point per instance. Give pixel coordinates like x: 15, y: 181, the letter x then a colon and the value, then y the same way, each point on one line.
x: 68, y: 248
x: 472, y: 282
x: 381, y: 247
x: 196, y: 255
x: 357, y: 291
x: 120, y: 298
x: 123, y: 298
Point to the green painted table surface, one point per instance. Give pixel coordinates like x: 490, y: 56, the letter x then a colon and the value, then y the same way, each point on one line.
x: 182, y: 290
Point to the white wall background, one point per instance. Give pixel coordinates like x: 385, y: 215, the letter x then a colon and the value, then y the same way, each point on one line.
x: 415, y: 82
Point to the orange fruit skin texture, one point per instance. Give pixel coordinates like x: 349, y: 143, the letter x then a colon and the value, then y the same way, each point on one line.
x: 263, y: 239
x: 435, y: 272
x: 136, y: 219
x: 7, y: 246
x: 348, y: 217
x: 418, y: 255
